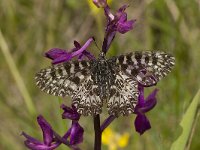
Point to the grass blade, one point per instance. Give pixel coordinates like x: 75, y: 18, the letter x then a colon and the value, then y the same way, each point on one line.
x: 187, y: 124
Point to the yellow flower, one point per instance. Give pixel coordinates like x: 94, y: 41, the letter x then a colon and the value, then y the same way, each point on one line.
x: 94, y: 8
x: 114, y: 140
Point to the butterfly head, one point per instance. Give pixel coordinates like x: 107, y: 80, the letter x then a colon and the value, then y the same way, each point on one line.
x: 102, y: 55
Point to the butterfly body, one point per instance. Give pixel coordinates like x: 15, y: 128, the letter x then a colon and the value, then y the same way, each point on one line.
x: 103, y: 75
x: 114, y: 80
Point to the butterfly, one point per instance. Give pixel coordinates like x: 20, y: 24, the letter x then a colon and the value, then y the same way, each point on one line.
x: 114, y: 81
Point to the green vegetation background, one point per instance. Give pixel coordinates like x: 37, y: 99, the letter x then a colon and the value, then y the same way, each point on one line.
x: 32, y: 27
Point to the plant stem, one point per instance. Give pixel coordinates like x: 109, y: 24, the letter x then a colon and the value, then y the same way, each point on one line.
x: 107, y: 122
x: 97, y: 129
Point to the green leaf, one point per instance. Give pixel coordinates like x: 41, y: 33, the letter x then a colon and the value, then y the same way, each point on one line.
x: 186, y: 124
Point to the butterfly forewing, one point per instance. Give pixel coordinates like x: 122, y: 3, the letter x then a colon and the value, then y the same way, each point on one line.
x: 63, y: 79
x: 148, y: 67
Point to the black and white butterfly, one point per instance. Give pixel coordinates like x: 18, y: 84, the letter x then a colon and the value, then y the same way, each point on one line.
x: 90, y: 83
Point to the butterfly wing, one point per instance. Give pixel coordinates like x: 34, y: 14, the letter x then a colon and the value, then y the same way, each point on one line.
x: 86, y: 98
x: 72, y: 79
x: 148, y: 67
x: 123, y: 95
x: 62, y: 79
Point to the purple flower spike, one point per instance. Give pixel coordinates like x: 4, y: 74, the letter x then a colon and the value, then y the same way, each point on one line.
x: 70, y: 113
x: 59, y: 55
x: 100, y: 3
x: 116, y: 23
x: 144, y: 105
x: 48, y: 143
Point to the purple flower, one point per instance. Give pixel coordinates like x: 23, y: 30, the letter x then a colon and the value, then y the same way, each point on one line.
x: 76, y: 131
x: 49, y: 142
x: 70, y: 113
x: 100, y: 3
x: 115, y: 23
x: 144, y: 105
x: 59, y: 55
x: 141, y: 123
x: 51, y: 139
x: 76, y: 134
x: 84, y: 53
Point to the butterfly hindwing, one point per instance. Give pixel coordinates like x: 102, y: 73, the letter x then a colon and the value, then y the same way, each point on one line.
x: 87, y: 98
x: 147, y: 66
x: 123, y: 95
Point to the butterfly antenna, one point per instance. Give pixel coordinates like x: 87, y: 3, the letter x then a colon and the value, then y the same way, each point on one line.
x: 96, y: 44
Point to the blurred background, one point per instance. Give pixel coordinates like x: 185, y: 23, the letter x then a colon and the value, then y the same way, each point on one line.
x: 29, y: 28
